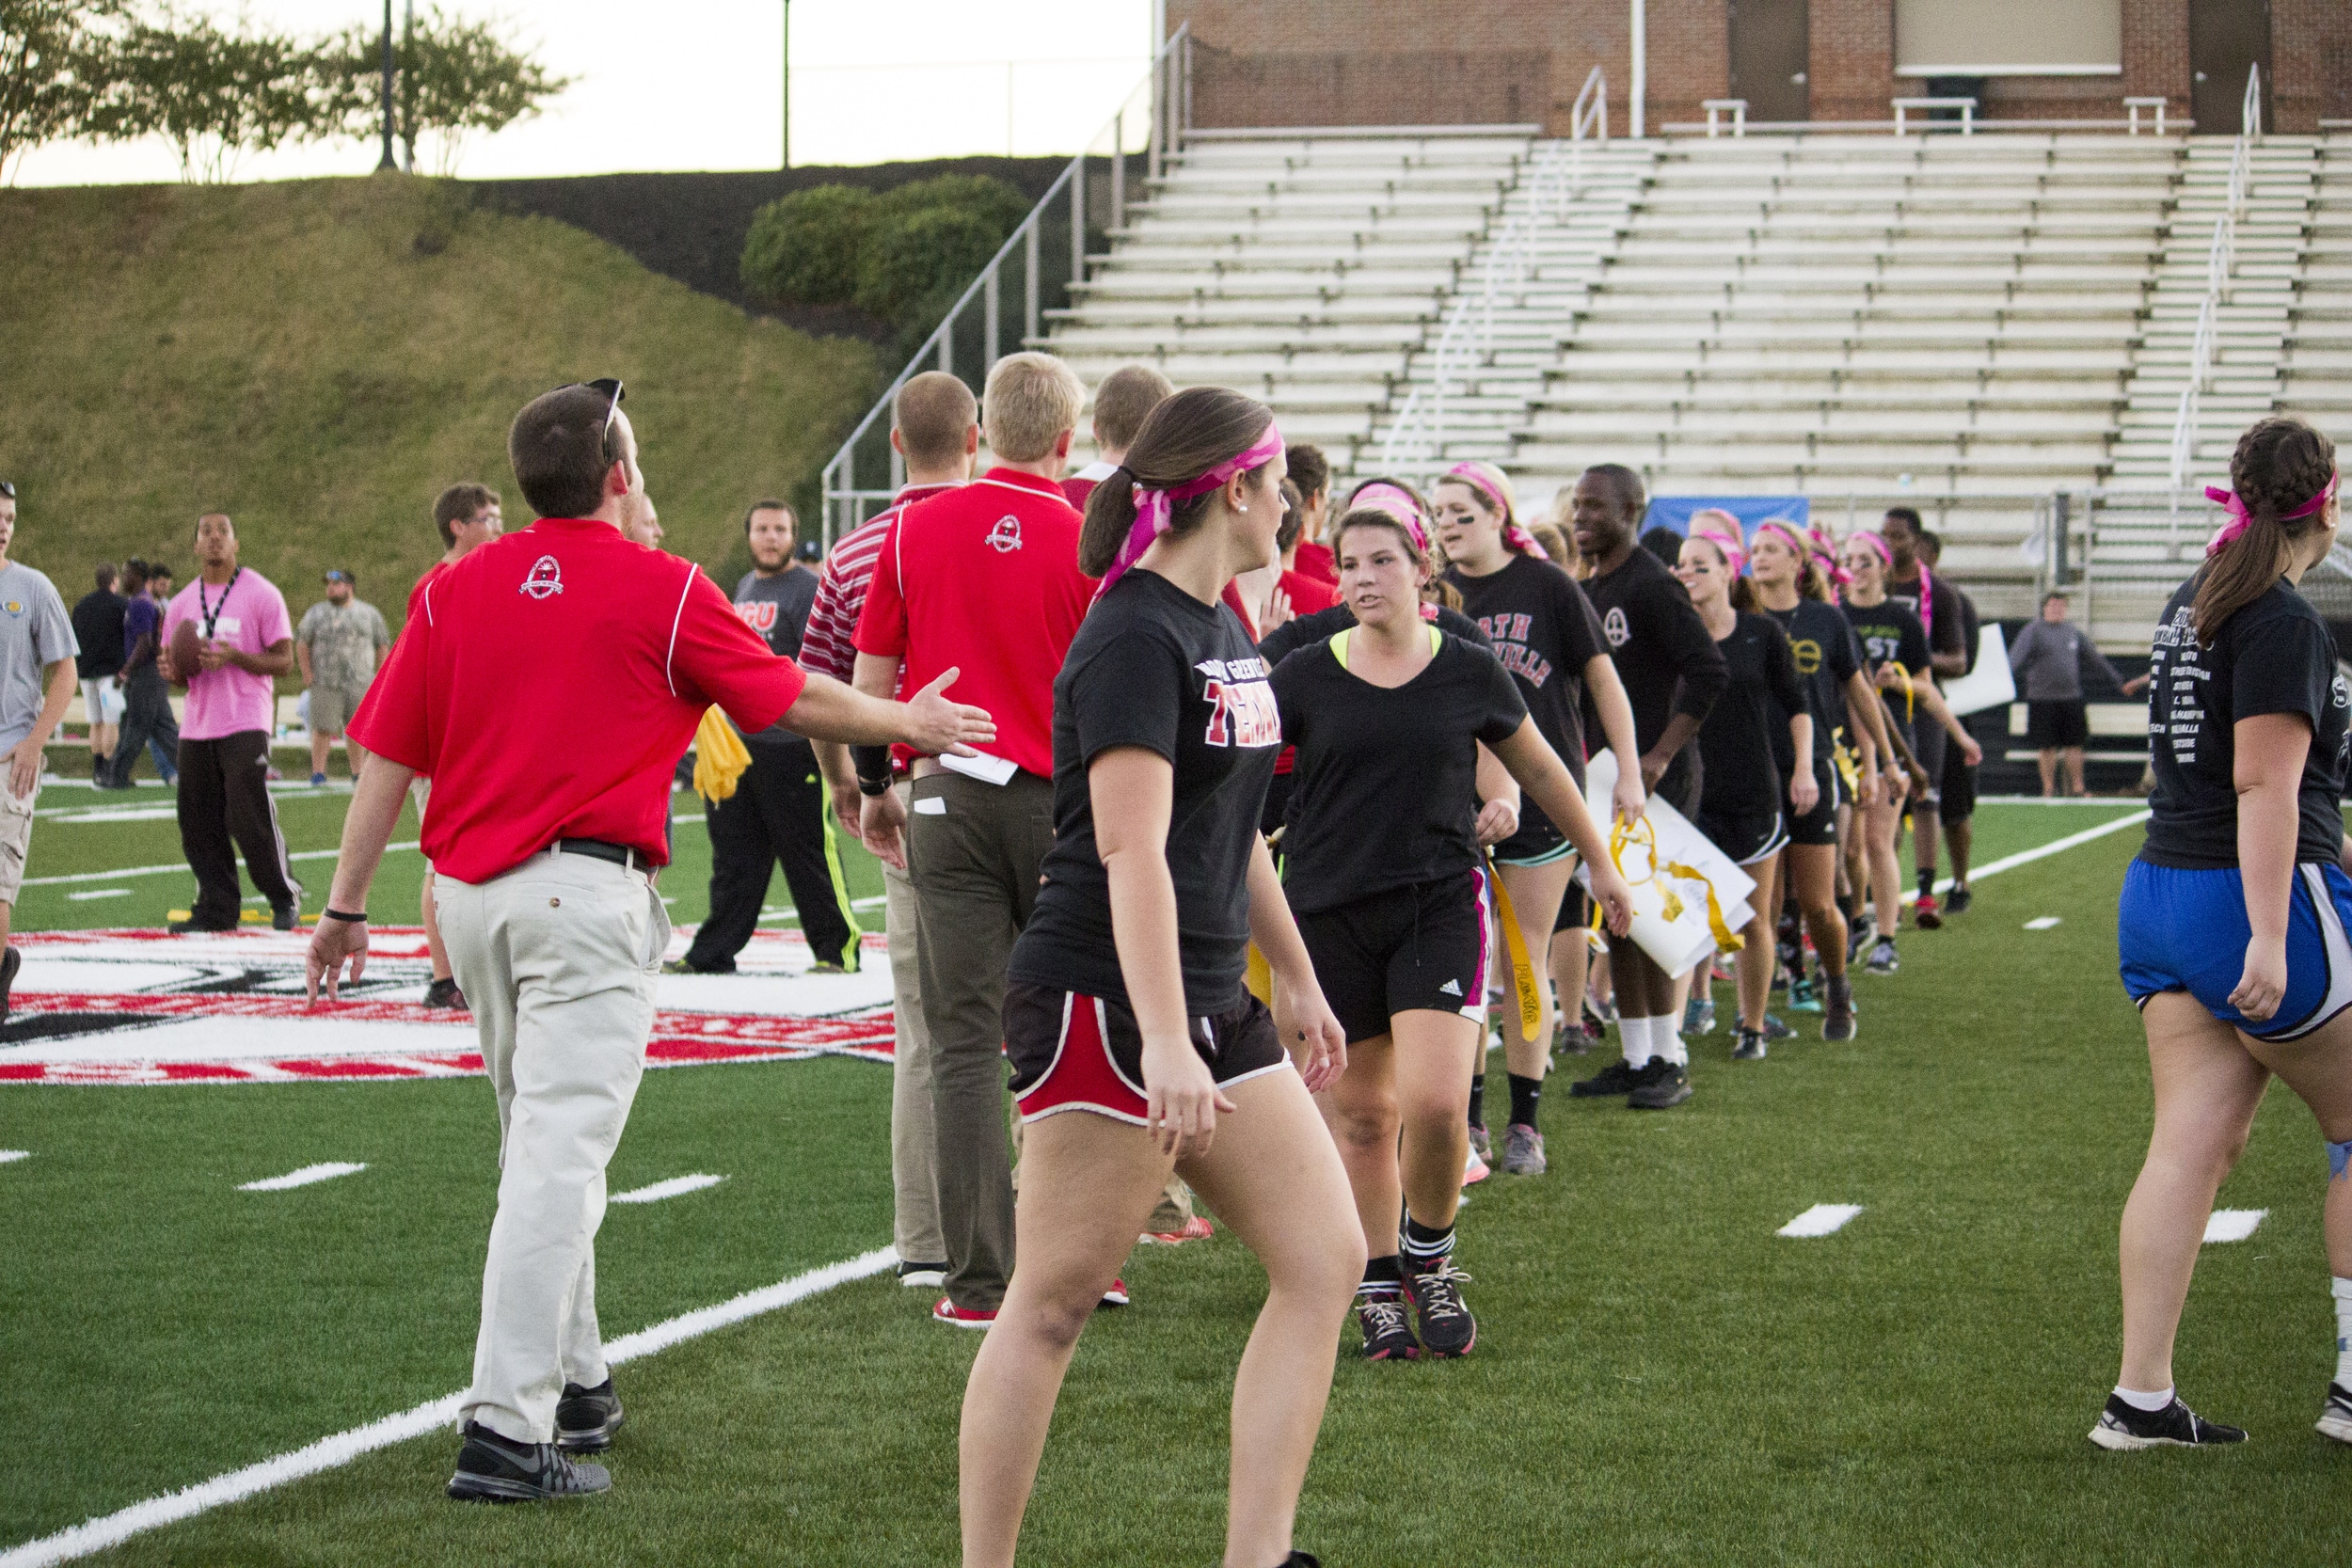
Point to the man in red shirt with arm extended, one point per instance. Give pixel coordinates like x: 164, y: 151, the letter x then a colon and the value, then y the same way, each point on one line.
x: 543, y: 838
x: 984, y: 578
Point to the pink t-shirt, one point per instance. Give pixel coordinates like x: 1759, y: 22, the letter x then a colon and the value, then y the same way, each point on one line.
x: 249, y: 616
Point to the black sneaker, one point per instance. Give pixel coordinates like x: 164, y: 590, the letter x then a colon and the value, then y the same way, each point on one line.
x: 586, y: 1419
x: 192, y: 925
x: 1447, y: 1328
x: 10, y: 963
x: 494, y: 1469
x: 2335, y: 1418
x: 284, y: 917
x: 1776, y: 1030
x: 444, y: 993
x: 1387, y: 1332
x: 2124, y: 1429
x: 1300, y: 1560
x: 1618, y: 1077
x: 1663, y: 1084
x: 1748, y: 1046
x: 1958, y: 900
x: 1837, y: 1017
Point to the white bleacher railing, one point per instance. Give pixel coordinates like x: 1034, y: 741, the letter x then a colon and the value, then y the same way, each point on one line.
x: 2219, y: 258
x: 1164, y: 115
x: 1466, y: 342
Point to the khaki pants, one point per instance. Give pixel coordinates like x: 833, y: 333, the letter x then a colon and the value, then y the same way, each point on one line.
x: 557, y: 959
x: 914, y: 1139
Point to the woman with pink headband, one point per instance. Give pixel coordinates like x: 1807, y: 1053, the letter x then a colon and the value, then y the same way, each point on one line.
x: 2232, y: 923
x: 1135, y: 1046
x: 1746, y: 799
x: 1401, y: 731
x: 1548, y: 636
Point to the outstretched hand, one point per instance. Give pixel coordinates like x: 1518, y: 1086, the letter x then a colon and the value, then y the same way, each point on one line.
x: 940, y: 727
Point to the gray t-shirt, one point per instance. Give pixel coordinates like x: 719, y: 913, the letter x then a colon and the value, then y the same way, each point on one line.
x: 777, y: 609
x: 345, y: 640
x: 2047, y: 658
x: 35, y: 631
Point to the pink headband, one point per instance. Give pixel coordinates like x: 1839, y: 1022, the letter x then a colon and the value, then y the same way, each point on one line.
x: 1397, y: 504
x: 2240, y: 520
x: 1827, y: 553
x: 1156, y: 510
x: 1796, y: 544
x: 1735, y: 553
x: 1514, y: 532
x: 1886, y: 556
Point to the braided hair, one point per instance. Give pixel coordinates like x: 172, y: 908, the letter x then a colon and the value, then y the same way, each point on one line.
x: 2280, y: 466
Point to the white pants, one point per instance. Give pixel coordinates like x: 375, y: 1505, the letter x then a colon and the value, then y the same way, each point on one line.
x: 557, y: 960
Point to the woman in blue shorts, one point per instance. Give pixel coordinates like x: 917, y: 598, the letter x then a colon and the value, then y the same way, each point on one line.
x: 2233, y: 921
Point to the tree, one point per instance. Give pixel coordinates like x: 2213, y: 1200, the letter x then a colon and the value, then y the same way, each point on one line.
x: 457, y: 79
x: 57, y: 57
x: 213, y: 95
x: 803, y: 248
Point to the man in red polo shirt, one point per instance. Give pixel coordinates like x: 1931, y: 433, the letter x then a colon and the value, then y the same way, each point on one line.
x: 544, y: 839
x: 985, y: 579
x: 1120, y: 402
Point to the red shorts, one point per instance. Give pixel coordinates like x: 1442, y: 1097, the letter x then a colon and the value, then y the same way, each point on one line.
x: 1073, y: 1053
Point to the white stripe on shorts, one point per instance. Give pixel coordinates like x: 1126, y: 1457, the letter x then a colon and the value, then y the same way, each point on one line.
x: 2339, y: 953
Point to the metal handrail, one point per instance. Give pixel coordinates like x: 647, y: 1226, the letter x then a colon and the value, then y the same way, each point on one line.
x: 2220, y: 257
x: 1168, y: 108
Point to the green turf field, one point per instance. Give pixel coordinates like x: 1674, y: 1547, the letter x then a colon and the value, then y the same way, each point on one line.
x: 1658, y: 1378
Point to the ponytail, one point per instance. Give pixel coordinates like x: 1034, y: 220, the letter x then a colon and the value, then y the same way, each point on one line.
x: 2282, y: 478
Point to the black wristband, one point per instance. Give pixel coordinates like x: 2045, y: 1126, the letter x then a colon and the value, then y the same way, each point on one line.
x: 873, y: 786
x: 359, y: 919
x: 873, y: 767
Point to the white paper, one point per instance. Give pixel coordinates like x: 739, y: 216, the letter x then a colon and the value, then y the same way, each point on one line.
x: 1675, y: 946
x: 1990, y: 684
x: 988, y: 770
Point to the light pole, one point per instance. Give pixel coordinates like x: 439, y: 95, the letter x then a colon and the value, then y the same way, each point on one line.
x: 787, y: 84
x: 1640, y: 62
x: 387, y: 163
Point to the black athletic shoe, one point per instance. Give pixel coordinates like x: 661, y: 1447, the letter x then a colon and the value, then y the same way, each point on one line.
x: 1618, y: 1077
x: 444, y: 993
x: 1387, y: 1332
x: 586, y: 1419
x: 1958, y: 900
x: 2335, y: 1418
x: 1447, y: 1328
x: 2124, y: 1429
x: 1663, y: 1084
x: 1838, y: 1016
x: 10, y: 963
x: 184, y: 928
x: 1776, y: 1030
x: 284, y: 917
x: 492, y: 1469
x: 1300, y: 1560
x: 1748, y: 1046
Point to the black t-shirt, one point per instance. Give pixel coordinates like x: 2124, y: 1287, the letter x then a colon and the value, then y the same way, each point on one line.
x: 98, y: 632
x: 1154, y: 667
x: 1947, y: 629
x: 1545, y: 631
x: 1745, y: 768
x: 1821, y: 643
x: 1889, y: 633
x: 1385, y: 792
x: 1307, y: 631
x: 2273, y: 656
x: 1667, y: 662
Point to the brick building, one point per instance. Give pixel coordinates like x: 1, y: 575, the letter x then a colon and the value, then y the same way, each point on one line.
x: 1403, y: 62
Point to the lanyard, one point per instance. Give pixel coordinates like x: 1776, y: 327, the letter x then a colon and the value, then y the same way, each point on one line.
x: 209, y: 612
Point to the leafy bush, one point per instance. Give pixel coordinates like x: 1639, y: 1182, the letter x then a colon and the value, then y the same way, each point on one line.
x: 804, y: 249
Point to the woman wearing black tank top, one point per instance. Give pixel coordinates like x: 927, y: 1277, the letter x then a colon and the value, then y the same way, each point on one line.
x: 1134, y: 1044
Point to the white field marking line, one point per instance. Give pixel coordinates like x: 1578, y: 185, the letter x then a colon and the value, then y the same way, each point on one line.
x: 2041, y: 922
x: 100, y: 892
x: 2110, y: 802
x: 676, y: 1186
x: 440, y: 1415
x: 10, y: 1155
x: 2044, y: 851
x: 2233, y: 1225
x: 302, y: 1178
x: 1822, y: 1219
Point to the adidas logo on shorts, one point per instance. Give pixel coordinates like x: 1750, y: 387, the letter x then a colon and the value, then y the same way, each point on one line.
x: 1451, y: 988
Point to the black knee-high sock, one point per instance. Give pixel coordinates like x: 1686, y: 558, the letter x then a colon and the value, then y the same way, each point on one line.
x: 1927, y: 881
x: 1478, y: 1099
x: 1525, y: 1093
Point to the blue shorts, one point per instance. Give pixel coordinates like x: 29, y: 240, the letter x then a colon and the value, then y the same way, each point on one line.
x: 2186, y: 930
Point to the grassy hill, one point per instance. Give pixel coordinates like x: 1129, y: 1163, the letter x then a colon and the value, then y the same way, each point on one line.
x: 319, y: 358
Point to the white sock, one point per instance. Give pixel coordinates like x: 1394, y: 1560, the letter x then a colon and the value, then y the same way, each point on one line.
x: 2145, y: 1403
x: 1666, y: 1041
x: 2343, y: 1291
x: 1634, y: 1033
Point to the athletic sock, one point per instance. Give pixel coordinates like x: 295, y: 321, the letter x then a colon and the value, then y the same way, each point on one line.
x: 1927, y: 881
x: 2145, y: 1403
x: 1381, y: 1278
x: 1666, y: 1041
x: 1478, y: 1099
x: 1525, y: 1092
x: 2342, y: 1290
x: 1425, y: 1244
x: 1634, y: 1034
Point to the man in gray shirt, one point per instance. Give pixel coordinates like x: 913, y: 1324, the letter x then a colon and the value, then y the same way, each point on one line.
x: 37, y: 649
x: 777, y: 813
x: 2048, y: 658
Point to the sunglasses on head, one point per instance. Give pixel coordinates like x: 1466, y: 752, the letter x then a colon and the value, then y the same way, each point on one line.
x: 7, y: 491
x: 611, y: 386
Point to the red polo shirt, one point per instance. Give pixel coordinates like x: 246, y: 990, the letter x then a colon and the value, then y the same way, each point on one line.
x: 984, y: 578
x: 548, y: 685
x: 1314, y: 560
x: 1308, y: 596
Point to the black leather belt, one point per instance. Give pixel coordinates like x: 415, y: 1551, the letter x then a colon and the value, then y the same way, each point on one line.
x: 597, y: 849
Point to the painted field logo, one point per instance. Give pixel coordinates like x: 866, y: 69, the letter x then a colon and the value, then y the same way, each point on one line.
x: 130, y: 1007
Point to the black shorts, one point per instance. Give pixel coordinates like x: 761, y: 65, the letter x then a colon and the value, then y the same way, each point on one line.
x: 1073, y: 1053
x: 1576, y: 911
x: 1411, y: 947
x: 1960, y: 787
x: 1537, y: 842
x: 2052, y: 726
x: 1746, y: 836
x: 1820, y: 825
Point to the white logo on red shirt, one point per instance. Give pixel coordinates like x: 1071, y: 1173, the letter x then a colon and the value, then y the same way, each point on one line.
x: 546, y: 578
x: 1006, y: 535
x: 758, y: 614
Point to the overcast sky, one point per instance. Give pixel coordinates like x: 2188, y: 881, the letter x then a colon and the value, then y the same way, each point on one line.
x: 697, y: 85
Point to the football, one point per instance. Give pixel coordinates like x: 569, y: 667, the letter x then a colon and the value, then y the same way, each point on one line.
x: 186, y: 638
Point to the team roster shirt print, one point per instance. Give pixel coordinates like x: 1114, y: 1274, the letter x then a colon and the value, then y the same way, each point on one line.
x: 1154, y: 667
x: 2274, y: 656
x: 1545, y: 631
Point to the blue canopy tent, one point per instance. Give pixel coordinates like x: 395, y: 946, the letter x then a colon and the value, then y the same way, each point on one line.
x: 1673, y: 512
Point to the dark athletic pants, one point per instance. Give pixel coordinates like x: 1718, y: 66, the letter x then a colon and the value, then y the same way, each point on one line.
x: 225, y: 807
x: 147, y: 720
x: 777, y: 813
